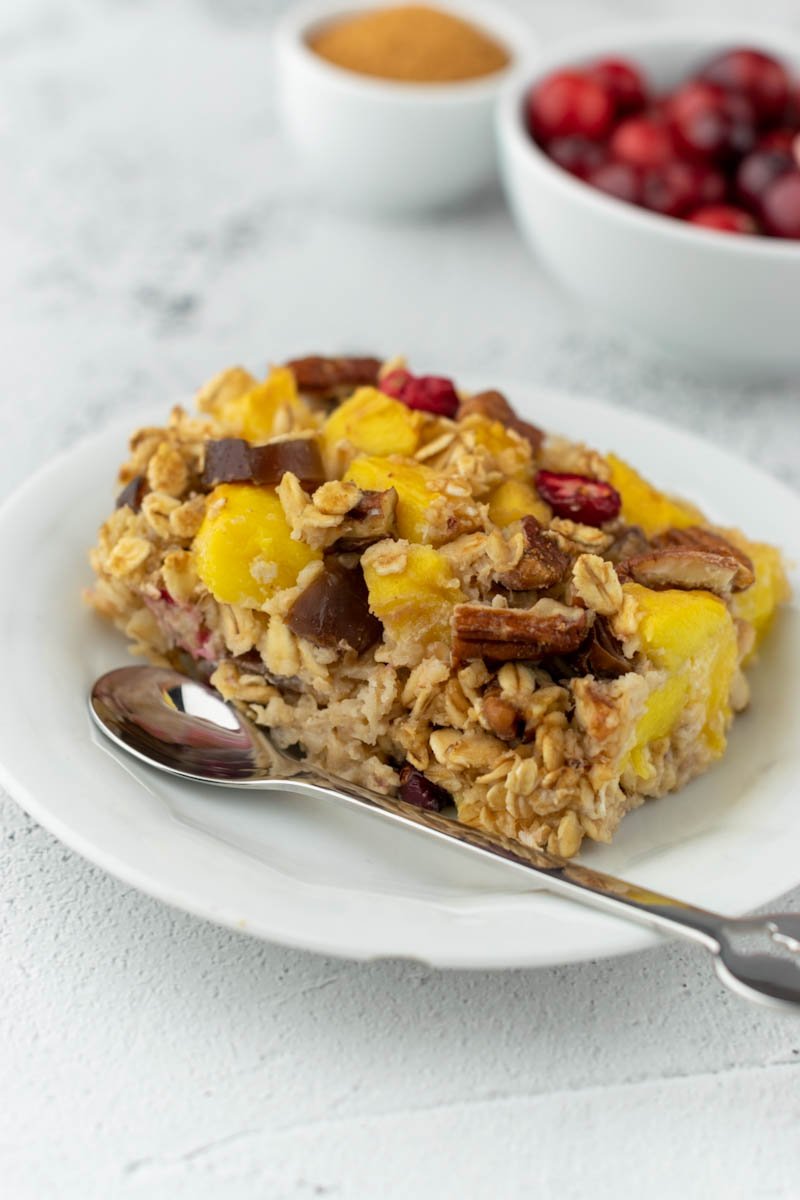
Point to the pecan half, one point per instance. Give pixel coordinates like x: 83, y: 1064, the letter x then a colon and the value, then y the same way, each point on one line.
x: 684, y: 567
x: 706, y: 539
x: 329, y: 378
x: 543, y: 563
x: 493, y: 404
x: 371, y: 519
x: 505, y: 634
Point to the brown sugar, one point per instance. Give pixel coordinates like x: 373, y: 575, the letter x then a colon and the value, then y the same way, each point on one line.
x: 411, y: 43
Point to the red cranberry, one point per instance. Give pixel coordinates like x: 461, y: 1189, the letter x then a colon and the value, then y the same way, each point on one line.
x: 623, y: 83
x: 643, y: 142
x: 724, y: 218
x: 417, y: 789
x: 780, y: 206
x: 757, y: 76
x: 710, y: 123
x: 429, y: 393
x: 677, y: 187
x: 618, y: 179
x: 579, y: 498
x: 777, y: 139
x: 757, y: 172
x: 569, y: 102
x: 576, y: 154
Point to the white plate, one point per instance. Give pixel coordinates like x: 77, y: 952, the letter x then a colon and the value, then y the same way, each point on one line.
x: 337, y: 881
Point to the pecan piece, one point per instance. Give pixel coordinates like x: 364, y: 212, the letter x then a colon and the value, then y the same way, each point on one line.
x: 505, y: 634
x: 684, y: 567
x: 706, y: 539
x: 543, y: 563
x: 371, y: 519
x: 493, y: 404
x: 501, y: 716
x: 330, y: 378
x: 630, y: 540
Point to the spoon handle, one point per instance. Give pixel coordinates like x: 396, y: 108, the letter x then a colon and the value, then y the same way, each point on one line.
x: 771, y: 975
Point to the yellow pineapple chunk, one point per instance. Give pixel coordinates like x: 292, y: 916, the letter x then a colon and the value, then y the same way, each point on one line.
x: 644, y: 505
x: 513, y: 499
x: 759, y: 603
x: 413, y: 483
x: 269, y: 408
x: 511, y: 453
x: 373, y: 423
x: 414, y: 598
x: 244, y: 551
x: 691, y: 636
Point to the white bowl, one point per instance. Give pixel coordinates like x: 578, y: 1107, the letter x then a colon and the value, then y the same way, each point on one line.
x: 387, y: 146
x: 723, y: 300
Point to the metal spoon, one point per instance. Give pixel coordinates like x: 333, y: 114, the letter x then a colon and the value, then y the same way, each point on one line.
x: 184, y: 727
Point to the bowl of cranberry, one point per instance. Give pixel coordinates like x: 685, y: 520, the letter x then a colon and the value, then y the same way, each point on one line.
x: 656, y: 175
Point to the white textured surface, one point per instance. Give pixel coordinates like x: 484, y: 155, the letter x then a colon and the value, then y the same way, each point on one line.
x: 151, y: 228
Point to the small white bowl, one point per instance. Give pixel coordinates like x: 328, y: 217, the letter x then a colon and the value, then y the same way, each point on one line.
x: 729, y: 302
x: 385, y: 146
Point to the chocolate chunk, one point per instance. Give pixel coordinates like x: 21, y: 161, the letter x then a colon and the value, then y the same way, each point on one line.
x: 417, y: 789
x: 334, y: 610
x: 601, y: 655
x: 133, y: 493
x: 227, y: 461
x: 325, y: 378
x: 233, y: 460
x: 299, y: 455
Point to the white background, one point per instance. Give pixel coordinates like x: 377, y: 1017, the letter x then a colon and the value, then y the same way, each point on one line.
x: 152, y: 229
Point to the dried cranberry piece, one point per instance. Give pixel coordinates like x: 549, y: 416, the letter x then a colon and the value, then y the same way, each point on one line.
x: 417, y: 789
x: 133, y: 493
x: 428, y: 393
x: 579, y: 498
